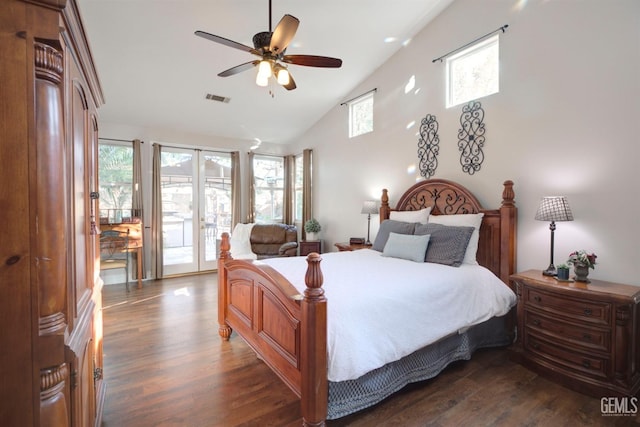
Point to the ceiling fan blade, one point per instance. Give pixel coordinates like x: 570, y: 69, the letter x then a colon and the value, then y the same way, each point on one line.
x: 283, y: 34
x: 313, y: 61
x: 227, y: 42
x: 238, y: 69
x: 291, y: 85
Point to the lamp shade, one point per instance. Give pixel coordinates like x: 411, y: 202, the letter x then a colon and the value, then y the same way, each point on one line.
x: 370, y: 207
x: 554, y: 208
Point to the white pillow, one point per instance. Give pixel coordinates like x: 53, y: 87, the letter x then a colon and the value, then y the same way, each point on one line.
x: 406, y: 246
x: 421, y: 216
x: 466, y: 220
x: 240, y: 242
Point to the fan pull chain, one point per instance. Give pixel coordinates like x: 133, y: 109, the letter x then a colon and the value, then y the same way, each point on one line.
x: 271, y: 91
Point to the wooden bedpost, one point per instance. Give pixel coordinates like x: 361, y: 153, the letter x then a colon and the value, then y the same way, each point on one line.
x: 313, y: 360
x: 508, y: 224
x: 385, y: 211
x: 223, y: 329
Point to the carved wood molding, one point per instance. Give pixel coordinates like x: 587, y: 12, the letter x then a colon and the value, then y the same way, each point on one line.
x: 52, y: 379
x: 51, y: 4
x: 49, y: 325
x: 445, y: 198
x: 48, y: 61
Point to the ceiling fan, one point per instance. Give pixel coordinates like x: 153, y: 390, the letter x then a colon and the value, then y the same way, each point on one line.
x: 271, y: 46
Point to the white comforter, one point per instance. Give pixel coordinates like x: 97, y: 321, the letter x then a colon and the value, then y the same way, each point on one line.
x: 381, y: 309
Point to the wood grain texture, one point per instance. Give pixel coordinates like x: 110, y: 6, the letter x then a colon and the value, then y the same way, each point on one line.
x: 50, y: 295
x: 166, y: 365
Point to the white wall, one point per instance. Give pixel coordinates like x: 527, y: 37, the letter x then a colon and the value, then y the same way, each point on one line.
x: 564, y: 123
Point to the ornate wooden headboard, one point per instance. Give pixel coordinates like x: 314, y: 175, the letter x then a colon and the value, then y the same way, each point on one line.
x: 497, y: 245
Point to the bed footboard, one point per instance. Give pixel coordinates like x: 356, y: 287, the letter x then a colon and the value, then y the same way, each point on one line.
x: 287, y: 330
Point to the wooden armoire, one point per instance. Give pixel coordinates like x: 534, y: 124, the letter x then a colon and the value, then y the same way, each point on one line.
x: 50, y: 290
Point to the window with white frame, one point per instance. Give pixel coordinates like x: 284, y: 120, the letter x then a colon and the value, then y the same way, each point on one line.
x: 268, y: 172
x: 361, y: 115
x: 115, y: 181
x: 298, y: 189
x: 473, y: 72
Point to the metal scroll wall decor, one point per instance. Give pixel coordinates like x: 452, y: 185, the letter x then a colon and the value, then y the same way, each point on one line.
x: 471, y: 137
x: 428, y: 146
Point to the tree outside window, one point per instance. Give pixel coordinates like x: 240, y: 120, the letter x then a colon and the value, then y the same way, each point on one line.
x: 115, y: 176
x: 268, y: 172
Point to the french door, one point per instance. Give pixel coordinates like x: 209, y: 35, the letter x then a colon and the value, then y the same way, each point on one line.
x: 196, y: 208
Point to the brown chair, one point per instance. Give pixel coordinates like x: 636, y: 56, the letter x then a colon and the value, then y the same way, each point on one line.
x: 274, y: 240
x: 114, y: 252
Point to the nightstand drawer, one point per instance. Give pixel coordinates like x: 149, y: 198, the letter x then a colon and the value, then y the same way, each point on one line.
x: 589, y: 338
x: 582, y: 335
x: 559, y: 355
x: 594, y: 312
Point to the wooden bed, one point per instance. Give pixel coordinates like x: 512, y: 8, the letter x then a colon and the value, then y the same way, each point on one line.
x: 289, y: 330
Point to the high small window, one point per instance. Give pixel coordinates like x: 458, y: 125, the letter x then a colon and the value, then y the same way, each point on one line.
x: 361, y: 115
x: 473, y: 72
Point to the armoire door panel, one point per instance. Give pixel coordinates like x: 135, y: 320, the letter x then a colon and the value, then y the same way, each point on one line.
x: 50, y: 207
x: 52, y: 340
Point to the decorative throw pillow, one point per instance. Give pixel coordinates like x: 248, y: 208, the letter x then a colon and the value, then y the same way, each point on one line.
x: 406, y: 246
x: 387, y: 227
x: 421, y: 216
x: 240, y: 242
x: 466, y: 220
x: 447, y: 244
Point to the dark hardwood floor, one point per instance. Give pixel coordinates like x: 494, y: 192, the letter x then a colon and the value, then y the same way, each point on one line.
x: 165, y: 365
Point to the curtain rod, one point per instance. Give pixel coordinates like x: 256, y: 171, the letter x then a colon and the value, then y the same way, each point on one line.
x: 195, y: 148
x: 359, y: 96
x: 118, y: 140
x: 503, y: 29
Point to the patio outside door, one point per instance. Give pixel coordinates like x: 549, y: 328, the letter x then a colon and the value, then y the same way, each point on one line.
x: 196, y: 208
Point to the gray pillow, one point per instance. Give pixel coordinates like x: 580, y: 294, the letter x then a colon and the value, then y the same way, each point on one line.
x: 447, y: 244
x: 406, y: 246
x: 389, y: 226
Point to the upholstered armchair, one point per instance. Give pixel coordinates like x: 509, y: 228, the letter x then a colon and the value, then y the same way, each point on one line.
x: 274, y: 240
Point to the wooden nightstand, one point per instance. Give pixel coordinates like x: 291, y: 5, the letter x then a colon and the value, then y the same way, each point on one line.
x: 308, y: 246
x: 585, y: 336
x: 348, y: 247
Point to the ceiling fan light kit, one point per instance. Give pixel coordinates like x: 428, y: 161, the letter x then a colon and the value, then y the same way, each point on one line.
x: 271, y: 47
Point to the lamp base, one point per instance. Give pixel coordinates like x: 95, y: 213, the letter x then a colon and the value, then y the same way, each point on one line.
x: 550, y: 271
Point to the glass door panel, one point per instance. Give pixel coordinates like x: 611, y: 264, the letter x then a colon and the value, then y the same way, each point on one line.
x: 196, y: 205
x: 215, y: 209
x: 179, y: 177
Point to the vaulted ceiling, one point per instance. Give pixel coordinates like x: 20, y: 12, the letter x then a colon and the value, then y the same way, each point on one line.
x: 155, y: 73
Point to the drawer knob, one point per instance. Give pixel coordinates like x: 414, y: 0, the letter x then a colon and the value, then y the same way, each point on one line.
x: 536, y: 322
x: 537, y: 298
x: 586, y: 337
x: 586, y: 363
x: 587, y: 311
x: 535, y: 345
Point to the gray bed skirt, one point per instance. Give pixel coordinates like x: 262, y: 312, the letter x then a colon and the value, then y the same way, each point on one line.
x: 347, y: 397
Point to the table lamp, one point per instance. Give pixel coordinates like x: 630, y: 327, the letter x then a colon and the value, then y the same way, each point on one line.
x: 369, y: 207
x: 553, y: 208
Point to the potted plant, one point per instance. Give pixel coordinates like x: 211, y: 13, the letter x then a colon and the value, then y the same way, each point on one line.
x: 311, y: 228
x: 562, y: 272
x: 582, y: 261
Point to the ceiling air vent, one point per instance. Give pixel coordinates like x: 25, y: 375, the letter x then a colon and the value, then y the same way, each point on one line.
x: 218, y: 98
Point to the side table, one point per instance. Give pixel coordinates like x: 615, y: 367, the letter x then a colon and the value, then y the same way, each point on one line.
x: 349, y: 247
x: 583, y: 335
x: 308, y: 246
